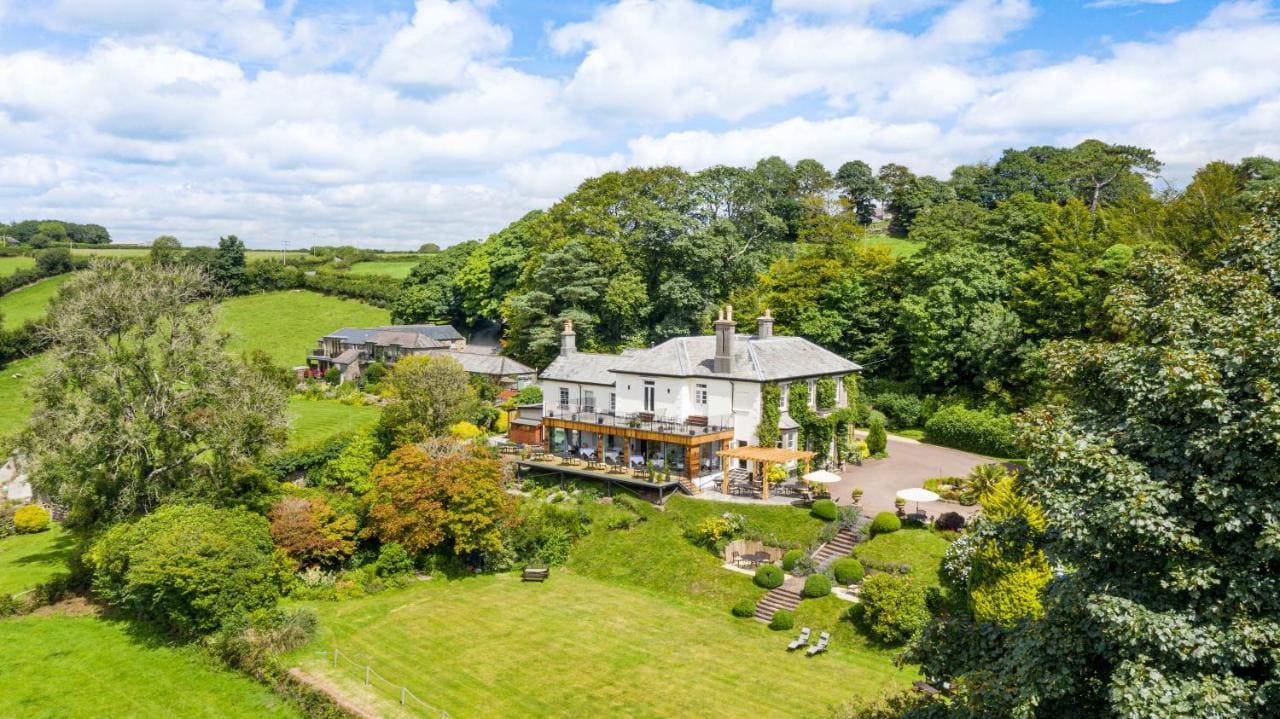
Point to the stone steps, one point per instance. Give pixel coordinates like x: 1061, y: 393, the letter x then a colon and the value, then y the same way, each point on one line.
x: 839, y: 547
x: 780, y: 598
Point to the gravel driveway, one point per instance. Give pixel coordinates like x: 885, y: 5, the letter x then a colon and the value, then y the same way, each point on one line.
x: 909, y: 464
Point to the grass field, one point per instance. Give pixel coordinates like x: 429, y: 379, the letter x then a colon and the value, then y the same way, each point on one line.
x: 249, y: 255
x: 15, y: 379
x: 55, y: 667
x: 30, y: 302
x: 312, y: 421
x: 921, y: 548
x: 9, y: 265
x: 898, y: 247
x: 29, y: 559
x: 578, y: 646
x: 286, y: 325
x: 399, y: 269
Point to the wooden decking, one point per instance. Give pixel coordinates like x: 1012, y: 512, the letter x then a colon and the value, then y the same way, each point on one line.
x: 662, y: 488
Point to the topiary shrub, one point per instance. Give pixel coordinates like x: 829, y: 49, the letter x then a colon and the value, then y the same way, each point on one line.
x: 744, y: 608
x: 769, y: 576
x: 790, y: 558
x: 877, y: 440
x: 885, y: 523
x: 30, y: 519
x: 783, y: 619
x: 949, y: 522
x: 825, y: 510
x: 891, y: 608
x: 816, y: 585
x: 848, y: 571
x: 972, y: 430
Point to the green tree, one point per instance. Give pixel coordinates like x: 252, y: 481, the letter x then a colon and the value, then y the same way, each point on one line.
x: 165, y: 250
x: 1099, y: 172
x: 142, y: 404
x: 1202, y: 220
x: 1150, y: 473
x: 189, y: 568
x: 429, y: 395
x: 425, y: 496
x: 351, y: 468
x: 54, y: 261
x: 877, y: 440
x: 859, y: 186
x: 55, y: 232
x: 228, y: 264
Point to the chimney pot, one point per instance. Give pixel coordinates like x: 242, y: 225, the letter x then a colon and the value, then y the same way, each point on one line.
x: 764, y: 325
x: 725, y: 329
x: 568, y: 339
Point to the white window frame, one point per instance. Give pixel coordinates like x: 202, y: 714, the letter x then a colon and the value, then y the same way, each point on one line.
x: 650, y: 396
x: 564, y: 396
x: 588, y: 400
x: 700, y: 395
x: 784, y: 401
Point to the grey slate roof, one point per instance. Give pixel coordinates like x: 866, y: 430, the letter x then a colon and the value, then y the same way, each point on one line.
x: 347, y: 357
x: 755, y: 358
x: 584, y: 367
x: 408, y: 336
x: 485, y: 363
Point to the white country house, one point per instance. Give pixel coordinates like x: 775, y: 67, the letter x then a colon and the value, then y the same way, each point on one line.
x: 675, y: 406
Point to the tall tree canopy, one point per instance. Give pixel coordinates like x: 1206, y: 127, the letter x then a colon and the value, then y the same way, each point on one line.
x: 142, y: 404
x: 1158, y: 479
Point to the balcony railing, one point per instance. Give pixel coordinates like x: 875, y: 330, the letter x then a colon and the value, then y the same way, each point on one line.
x: 666, y: 423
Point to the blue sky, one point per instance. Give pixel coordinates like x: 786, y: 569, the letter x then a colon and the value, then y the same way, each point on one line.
x: 390, y: 124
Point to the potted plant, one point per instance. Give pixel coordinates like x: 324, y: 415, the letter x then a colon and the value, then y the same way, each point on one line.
x: 856, y: 495
x: 901, y: 505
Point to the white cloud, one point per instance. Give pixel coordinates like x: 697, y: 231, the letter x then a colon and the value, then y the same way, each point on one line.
x: 204, y: 117
x: 440, y: 44
x: 1127, y: 3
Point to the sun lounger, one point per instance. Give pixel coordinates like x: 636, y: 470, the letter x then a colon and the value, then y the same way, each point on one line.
x: 821, y: 646
x: 800, y: 641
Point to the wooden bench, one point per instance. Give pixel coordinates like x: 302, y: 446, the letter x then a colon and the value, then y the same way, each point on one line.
x: 535, y: 574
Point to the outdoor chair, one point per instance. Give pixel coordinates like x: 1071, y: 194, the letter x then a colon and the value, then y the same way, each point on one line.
x: 821, y: 646
x: 801, y: 640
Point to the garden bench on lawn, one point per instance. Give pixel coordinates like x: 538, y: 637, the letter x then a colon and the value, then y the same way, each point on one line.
x: 535, y: 574
x: 821, y: 646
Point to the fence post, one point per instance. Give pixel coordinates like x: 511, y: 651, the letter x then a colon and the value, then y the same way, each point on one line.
x: 401, y: 696
x: 366, y: 675
x: 335, y: 657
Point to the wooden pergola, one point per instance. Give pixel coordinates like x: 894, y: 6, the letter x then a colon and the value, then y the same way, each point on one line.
x: 763, y: 457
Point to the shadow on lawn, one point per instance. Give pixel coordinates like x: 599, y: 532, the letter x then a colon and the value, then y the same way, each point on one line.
x: 61, y: 549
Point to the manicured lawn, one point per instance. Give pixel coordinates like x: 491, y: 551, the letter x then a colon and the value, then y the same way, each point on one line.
x: 398, y: 269
x: 312, y: 421
x: 579, y: 646
x: 656, y: 555
x: 30, y: 302
x: 9, y: 265
x: 55, y: 667
x: 29, y: 559
x: 287, y: 325
x: 15, y: 381
x: 921, y: 548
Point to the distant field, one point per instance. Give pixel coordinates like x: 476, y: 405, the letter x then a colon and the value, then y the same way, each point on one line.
x: 312, y: 421
x: 30, y: 302
x: 399, y: 269
x: 286, y: 325
x: 62, y: 666
x: 9, y: 265
x: 15, y: 379
x: 29, y: 559
x: 249, y: 255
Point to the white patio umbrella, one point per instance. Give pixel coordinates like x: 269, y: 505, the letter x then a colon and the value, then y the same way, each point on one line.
x: 918, y: 495
x: 821, y: 476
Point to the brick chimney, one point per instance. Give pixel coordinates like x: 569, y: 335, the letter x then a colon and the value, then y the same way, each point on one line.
x: 725, y: 329
x: 568, y: 339
x: 764, y: 325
